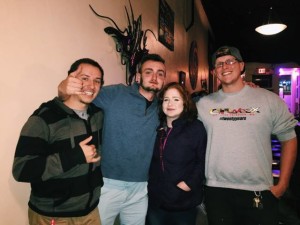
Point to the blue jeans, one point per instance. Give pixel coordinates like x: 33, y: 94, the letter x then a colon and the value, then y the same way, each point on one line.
x: 157, y: 216
x: 129, y: 199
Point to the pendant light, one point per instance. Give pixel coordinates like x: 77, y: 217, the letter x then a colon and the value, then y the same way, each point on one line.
x: 272, y: 26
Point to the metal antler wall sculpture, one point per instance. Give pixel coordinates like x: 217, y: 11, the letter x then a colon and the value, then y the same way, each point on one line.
x: 131, y: 42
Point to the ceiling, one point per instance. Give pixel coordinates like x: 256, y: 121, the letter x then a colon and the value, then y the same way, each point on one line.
x: 233, y: 22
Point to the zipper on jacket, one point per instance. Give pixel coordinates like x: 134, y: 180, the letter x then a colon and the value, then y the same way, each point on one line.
x: 162, y: 144
x: 91, y: 165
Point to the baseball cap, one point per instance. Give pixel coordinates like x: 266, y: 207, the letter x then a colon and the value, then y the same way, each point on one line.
x: 226, y: 50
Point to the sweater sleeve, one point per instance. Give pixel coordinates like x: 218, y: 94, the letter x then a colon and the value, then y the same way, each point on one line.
x: 33, y: 160
x: 283, y: 121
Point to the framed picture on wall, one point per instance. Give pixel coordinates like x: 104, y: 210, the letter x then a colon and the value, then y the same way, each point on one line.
x: 188, y: 15
x: 193, y: 64
x: 181, y: 78
x: 204, y: 85
x: 166, y: 25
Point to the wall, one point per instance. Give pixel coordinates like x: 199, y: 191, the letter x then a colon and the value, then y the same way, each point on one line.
x: 251, y: 69
x: 41, y: 38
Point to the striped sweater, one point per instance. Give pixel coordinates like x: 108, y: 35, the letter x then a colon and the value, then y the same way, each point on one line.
x: 49, y: 157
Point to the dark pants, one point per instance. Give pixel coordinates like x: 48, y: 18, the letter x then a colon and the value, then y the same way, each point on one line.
x: 226, y: 206
x: 157, y: 216
x: 288, y: 209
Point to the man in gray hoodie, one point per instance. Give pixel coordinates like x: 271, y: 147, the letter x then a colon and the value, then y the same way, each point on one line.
x: 58, y: 154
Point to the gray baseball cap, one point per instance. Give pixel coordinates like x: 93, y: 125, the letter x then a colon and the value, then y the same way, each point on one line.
x: 226, y: 50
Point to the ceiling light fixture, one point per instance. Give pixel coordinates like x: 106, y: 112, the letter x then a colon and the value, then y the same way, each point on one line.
x: 272, y: 26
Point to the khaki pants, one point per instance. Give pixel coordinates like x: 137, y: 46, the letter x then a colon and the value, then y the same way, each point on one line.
x: 93, y: 218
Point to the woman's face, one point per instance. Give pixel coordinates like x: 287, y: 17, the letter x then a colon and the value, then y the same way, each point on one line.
x: 172, y: 104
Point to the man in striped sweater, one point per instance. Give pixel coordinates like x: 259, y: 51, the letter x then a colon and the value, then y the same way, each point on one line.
x: 58, y: 153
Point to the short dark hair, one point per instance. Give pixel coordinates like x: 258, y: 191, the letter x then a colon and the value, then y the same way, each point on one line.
x: 148, y: 57
x: 89, y: 61
x: 189, y: 107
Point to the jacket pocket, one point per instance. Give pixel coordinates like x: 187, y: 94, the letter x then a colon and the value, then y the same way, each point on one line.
x: 174, y: 198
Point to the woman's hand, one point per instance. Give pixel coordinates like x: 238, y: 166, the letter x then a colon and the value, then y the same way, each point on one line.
x: 182, y: 185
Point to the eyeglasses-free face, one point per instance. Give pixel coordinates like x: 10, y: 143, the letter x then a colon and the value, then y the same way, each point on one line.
x: 172, y: 104
x: 228, y: 62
